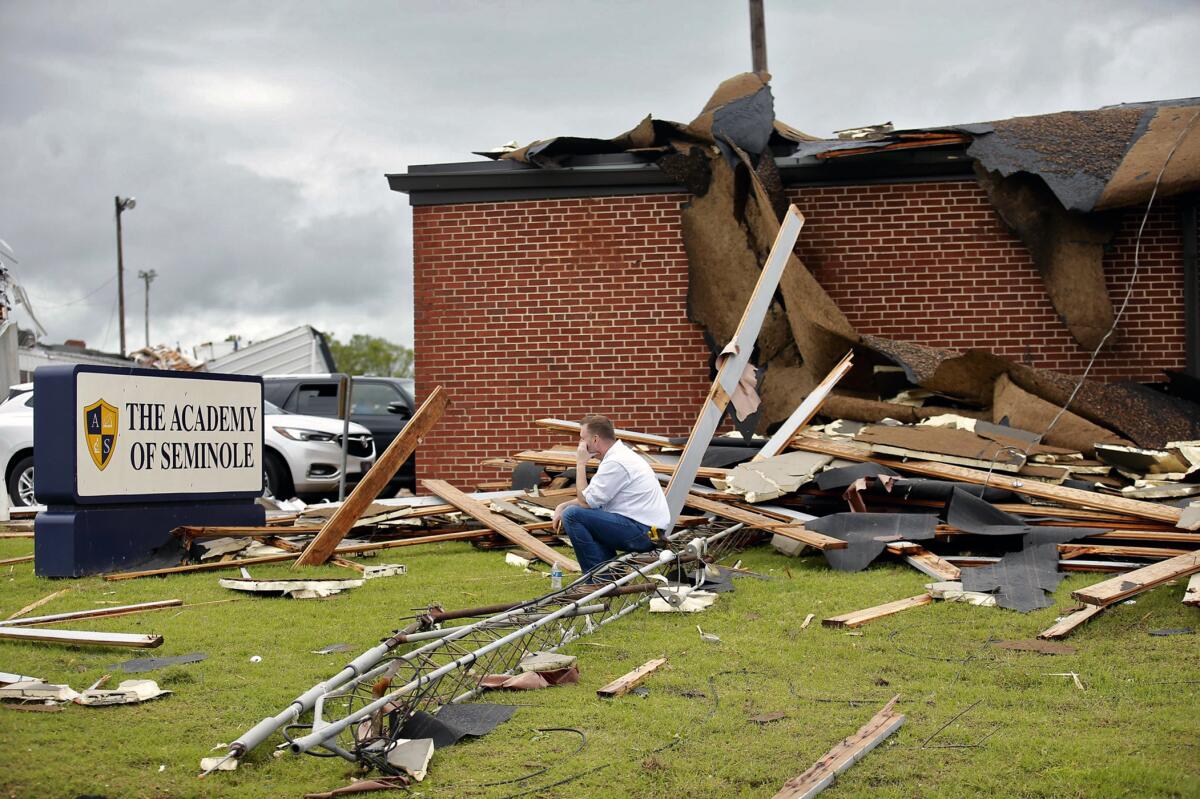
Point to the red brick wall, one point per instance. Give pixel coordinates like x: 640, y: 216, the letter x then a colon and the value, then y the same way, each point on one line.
x: 555, y: 308
x: 932, y: 263
x: 563, y: 307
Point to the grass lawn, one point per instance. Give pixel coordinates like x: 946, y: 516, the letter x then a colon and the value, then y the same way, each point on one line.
x: 1131, y: 733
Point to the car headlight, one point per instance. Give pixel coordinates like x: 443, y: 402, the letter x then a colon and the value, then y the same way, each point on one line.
x: 300, y: 434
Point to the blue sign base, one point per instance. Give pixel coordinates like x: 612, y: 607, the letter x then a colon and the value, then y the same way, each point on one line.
x: 78, y: 541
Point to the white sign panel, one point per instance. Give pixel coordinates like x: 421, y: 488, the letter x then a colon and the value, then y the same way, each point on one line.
x: 157, y: 435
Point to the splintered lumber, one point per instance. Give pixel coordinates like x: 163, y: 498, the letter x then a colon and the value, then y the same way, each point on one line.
x: 35, y: 605
x: 861, y: 617
x: 378, y: 476
x: 925, y: 561
x: 732, y: 363
x: 348, y: 549
x: 760, y: 521
x: 80, y: 638
x: 623, y: 685
x: 567, y: 460
x: 806, y: 410
x: 1068, y: 551
x: 844, y: 755
x: 497, y: 523
x: 1191, y: 595
x: 1032, y: 488
x: 632, y: 436
x: 1065, y: 627
x: 97, y: 613
x: 1138, y: 580
x: 238, y: 531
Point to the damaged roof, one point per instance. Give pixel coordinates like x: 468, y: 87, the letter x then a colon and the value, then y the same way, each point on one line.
x: 1090, y: 160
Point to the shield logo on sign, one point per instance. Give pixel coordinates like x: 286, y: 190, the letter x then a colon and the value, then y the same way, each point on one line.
x: 100, y: 431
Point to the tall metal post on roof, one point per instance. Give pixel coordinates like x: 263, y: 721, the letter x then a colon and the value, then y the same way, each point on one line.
x: 149, y: 278
x: 122, y: 204
x: 758, y: 36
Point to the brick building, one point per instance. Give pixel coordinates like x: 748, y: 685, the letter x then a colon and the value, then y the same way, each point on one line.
x: 556, y: 292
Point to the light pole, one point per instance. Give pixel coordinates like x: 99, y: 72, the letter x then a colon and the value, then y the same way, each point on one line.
x: 149, y: 278
x: 122, y: 204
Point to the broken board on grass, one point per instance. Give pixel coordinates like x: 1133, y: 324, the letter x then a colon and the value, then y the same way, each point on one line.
x: 844, y: 755
x: 79, y: 637
x: 296, y: 589
x: 860, y: 617
x: 1134, y: 582
x: 499, y: 524
x: 373, y: 482
x: 760, y: 521
x: 624, y: 684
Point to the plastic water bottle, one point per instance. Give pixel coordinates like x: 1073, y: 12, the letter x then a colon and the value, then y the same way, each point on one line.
x: 555, y: 577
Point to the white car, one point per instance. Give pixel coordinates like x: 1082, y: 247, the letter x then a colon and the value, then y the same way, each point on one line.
x: 302, y: 454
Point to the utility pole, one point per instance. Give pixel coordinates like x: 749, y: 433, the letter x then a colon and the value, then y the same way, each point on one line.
x: 149, y: 278
x: 122, y: 204
x: 758, y: 36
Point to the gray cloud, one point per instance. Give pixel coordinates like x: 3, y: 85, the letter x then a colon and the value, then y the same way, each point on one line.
x: 256, y: 137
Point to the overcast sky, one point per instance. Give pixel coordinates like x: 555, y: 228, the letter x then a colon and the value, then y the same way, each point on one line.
x: 255, y: 135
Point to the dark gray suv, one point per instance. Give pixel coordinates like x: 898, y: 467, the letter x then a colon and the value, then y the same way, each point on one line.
x: 383, y: 405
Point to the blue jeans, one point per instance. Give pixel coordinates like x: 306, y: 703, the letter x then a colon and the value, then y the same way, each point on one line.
x: 597, y: 535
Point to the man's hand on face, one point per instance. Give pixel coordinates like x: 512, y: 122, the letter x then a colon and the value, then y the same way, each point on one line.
x: 582, y: 453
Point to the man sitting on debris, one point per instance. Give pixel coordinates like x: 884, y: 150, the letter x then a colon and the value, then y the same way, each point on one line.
x: 620, y: 508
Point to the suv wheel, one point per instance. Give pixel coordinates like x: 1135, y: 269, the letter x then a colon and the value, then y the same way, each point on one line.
x: 277, y: 482
x: 20, y: 483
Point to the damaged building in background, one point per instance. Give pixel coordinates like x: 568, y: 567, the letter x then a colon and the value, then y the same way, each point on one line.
x: 969, y: 267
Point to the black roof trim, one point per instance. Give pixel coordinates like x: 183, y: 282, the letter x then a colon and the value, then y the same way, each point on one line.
x: 625, y: 174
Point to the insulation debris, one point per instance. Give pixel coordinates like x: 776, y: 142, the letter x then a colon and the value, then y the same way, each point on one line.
x: 296, y: 589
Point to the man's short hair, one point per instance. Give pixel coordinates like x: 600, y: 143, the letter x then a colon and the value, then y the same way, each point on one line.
x: 598, y: 425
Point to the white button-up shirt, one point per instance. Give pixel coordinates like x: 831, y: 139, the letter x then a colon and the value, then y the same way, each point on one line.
x: 626, y: 484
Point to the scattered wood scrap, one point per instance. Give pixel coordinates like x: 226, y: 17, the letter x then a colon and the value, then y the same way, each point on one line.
x: 1054, y: 493
x: 1069, y: 622
x: 1134, y: 582
x: 37, y: 604
x: 497, y: 523
x: 625, y: 684
x: 97, y: 613
x: 378, y: 476
x: 80, y: 638
x: 860, y: 617
x: 925, y: 561
x: 1191, y: 596
x: 760, y: 521
x: 844, y: 755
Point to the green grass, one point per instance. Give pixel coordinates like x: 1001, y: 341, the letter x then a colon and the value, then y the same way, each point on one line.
x: 1131, y: 733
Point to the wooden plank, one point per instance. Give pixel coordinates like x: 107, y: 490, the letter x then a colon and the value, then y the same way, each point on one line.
x: 632, y: 436
x: 806, y: 410
x: 1134, y: 582
x: 567, y: 459
x: 861, y: 617
x: 38, y: 603
x: 11, y: 561
x: 347, y: 549
x: 1068, y: 551
x: 925, y: 561
x: 760, y: 521
x: 1064, y: 628
x: 841, y: 757
x: 97, y: 613
x: 321, y: 548
x: 239, y: 531
x: 1032, y: 488
x: 734, y: 365
x: 625, y: 684
x: 1191, y: 595
x: 79, y: 638
x: 494, y: 521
